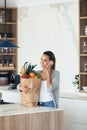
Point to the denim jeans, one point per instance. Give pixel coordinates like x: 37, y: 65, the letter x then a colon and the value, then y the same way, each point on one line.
x: 46, y: 104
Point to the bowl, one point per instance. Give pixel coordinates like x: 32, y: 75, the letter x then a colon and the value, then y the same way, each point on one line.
x: 3, y: 80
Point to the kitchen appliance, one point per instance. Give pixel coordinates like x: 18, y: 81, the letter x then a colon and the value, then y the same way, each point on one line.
x: 14, y: 81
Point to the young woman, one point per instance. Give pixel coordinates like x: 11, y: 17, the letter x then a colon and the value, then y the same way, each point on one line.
x: 49, y: 92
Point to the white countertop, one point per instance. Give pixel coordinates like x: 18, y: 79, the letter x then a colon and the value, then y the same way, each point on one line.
x: 5, y: 89
x: 73, y: 95
x: 17, y: 109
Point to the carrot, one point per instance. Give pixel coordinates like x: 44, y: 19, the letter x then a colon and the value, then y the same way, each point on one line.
x: 32, y: 75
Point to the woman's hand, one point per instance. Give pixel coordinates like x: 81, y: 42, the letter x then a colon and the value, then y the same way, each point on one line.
x: 48, y: 74
x: 48, y: 70
x: 24, y: 89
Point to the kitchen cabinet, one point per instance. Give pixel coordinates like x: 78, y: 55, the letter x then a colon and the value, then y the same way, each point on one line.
x: 8, y: 57
x: 83, y: 44
x: 17, y: 117
x: 68, y: 106
x: 80, y: 114
x: 80, y: 127
x: 75, y: 112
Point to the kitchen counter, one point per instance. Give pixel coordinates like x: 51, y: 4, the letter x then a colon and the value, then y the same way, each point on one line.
x: 18, y: 117
x: 11, y: 95
x: 73, y: 95
x: 14, y: 96
x: 17, y: 109
x: 6, y: 89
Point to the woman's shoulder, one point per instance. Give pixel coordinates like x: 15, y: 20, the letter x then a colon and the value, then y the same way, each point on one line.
x: 56, y: 72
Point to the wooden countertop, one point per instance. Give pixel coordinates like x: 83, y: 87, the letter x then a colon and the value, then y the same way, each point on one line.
x: 17, y: 109
x: 17, y: 117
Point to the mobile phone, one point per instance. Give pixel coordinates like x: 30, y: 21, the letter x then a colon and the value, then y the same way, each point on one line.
x: 51, y: 62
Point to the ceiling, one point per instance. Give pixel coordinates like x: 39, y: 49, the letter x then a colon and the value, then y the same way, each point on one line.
x: 23, y: 3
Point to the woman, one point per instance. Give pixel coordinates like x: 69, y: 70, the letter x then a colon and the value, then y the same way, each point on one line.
x: 49, y: 92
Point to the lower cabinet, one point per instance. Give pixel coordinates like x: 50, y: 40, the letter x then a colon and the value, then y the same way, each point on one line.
x: 80, y: 111
x: 80, y: 126
x: 20, y: 118
x: 75, y: 113
x: 80, y: 115
x: 68, y: 106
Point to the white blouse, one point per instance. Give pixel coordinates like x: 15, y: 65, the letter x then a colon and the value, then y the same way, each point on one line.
x: 45, y: 95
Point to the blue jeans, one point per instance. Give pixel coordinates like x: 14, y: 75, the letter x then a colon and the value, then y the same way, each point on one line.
x: 47, y: 104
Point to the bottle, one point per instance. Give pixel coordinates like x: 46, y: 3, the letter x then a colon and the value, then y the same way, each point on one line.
x: 86, y: 30
x: 84, y: 46
x: 85, y: 67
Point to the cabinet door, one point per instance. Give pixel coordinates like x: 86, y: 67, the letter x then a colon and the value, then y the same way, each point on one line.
x: 67, y: 105
x: 80, y: 107
x: 80, y: 127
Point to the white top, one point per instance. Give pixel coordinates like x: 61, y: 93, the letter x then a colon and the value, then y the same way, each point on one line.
x: 45, y: 95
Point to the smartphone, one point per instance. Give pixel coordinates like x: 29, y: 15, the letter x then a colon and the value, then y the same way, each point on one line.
x: 51, y: 62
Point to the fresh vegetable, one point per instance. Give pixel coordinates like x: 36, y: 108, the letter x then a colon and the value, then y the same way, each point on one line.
x: 27, y: 71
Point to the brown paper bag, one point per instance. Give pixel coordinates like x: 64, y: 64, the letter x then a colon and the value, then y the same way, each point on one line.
x: 30, y: 99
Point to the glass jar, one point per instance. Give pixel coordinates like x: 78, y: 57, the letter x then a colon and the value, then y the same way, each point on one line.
x: 85, y: 66
x: 86, y: 30
x: 84, y: 46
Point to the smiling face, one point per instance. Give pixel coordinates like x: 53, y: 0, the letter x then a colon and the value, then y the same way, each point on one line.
x: 44, y: 60
x: 48, y: 59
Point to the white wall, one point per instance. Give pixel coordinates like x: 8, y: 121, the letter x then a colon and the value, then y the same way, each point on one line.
x: 50, y: 27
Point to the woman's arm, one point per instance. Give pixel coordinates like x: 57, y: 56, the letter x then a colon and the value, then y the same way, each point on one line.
x: 55, y: 81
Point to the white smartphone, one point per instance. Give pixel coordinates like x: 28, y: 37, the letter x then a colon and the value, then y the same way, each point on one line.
x: 51, y: 62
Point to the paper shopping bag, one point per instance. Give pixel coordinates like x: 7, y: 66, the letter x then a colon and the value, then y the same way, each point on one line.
x: 30, y: 99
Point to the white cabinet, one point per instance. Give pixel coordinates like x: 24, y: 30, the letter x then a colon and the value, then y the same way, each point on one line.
x: 80, y: 127
x: 80, y: 115
x: 68, y: 106
x: 75, y: 113
x: 80, y: 108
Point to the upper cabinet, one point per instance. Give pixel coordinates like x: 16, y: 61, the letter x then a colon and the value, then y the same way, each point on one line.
x: 8, y: 57
x: 83, y: 44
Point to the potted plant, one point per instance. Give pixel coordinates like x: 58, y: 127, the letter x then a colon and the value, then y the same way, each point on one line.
x: 76, y: 81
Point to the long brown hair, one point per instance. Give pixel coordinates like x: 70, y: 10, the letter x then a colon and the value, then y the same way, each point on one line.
x: 51, y: 56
